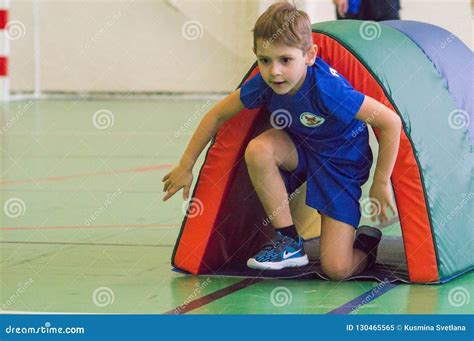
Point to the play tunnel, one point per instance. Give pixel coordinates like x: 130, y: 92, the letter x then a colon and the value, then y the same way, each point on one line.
x: 423, y: 73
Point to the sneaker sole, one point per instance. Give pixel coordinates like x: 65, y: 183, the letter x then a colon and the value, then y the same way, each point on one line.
x: 287, y: 263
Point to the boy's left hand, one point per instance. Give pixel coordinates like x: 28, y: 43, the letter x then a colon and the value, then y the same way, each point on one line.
x: 381, y: 198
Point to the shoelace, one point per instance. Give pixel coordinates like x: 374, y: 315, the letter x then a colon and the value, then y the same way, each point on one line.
x: 274, y: 247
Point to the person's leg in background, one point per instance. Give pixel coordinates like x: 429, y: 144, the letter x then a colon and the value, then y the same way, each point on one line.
x: 380, y: 10
x: 352, y: 9
x: 376, y: 10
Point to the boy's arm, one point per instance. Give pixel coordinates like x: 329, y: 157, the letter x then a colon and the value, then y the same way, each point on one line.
x: 379, y: 116
x: 209, y: 125
x: 181, y: 176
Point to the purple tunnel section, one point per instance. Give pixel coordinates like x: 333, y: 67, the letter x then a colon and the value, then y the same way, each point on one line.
x: 453, y: 60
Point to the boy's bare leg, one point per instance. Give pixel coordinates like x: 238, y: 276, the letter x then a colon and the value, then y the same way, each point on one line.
x: 264, y: 155
x: 339, y: 259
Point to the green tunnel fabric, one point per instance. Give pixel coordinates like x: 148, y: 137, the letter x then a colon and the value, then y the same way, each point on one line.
x: 443, y: 154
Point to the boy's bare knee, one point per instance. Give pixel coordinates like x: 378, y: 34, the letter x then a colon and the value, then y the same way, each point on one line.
x: 337, y: 275
x: 337, y: 271
x: 258, y: 151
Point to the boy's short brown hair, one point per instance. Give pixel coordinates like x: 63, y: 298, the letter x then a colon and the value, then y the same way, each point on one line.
x: 283, y: 23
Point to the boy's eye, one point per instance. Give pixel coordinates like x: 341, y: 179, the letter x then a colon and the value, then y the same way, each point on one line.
x: 263, y: 60
x: 286, y: 60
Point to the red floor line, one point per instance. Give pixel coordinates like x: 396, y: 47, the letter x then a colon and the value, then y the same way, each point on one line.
x: 80, y: 175
x: 84, y: 227
x: 80, y: 243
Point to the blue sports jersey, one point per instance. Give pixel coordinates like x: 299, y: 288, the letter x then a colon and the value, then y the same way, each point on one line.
x: 322, y: 111
x: 320, y: 119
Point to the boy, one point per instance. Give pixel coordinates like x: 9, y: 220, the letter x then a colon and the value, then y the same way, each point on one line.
x: 317, y: 146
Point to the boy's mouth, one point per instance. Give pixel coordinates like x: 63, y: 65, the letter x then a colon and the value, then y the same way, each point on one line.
x: 279, y: 83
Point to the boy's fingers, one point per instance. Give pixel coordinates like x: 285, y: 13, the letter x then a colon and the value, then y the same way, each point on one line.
x: 169, y: 194
x: 374, y: 208
x: 186, y: 192
x: 393, y: 208
x: 165, y: 177
x: 383, y: 213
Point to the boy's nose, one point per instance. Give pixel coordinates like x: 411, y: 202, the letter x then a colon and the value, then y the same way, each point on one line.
x: 275, y: 70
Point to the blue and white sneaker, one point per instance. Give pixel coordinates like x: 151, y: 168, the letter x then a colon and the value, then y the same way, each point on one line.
x: 281, y: 252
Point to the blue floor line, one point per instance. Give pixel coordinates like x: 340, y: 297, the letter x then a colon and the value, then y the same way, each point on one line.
x: 363, y: 299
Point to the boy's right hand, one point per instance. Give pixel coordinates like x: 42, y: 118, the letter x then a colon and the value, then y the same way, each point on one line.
x: 179, y: 177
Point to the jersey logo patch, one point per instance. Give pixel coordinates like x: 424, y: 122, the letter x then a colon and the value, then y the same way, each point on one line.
x: 311, y: 120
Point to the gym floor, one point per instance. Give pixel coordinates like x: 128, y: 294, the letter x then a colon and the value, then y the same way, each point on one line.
x: 84, y: 229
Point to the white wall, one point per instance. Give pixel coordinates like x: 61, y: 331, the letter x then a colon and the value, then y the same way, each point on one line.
x: 135, y: 45
x: 139, y: 45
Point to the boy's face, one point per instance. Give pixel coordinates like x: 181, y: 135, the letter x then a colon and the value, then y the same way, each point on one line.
x: 283, y: 67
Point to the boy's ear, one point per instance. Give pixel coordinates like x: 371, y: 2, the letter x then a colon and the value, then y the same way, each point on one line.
x: 311, y: 55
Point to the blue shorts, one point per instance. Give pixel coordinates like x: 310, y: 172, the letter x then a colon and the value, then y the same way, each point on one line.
x: 333, y: 187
